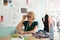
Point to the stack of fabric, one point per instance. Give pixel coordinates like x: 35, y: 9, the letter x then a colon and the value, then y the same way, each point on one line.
x: 41, y: 34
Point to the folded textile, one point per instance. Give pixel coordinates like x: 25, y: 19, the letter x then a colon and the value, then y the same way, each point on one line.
x: 41, y: 34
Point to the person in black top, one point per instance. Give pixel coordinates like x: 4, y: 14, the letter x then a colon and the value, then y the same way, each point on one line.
x: 46, y: 23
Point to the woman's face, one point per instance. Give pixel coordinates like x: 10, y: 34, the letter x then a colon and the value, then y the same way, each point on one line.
x: 29, y: 17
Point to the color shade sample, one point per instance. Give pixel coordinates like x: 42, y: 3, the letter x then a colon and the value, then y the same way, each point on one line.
x: 1, y: 18
x: 23, y: 10
x: 5, y: 2
x: 10, y: 1
x: 27, y: 2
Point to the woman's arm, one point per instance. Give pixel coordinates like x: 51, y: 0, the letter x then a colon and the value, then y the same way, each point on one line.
x: 43, y: 19
x: 50, y: 22
x: 32, y: 31
x: 20, y: 25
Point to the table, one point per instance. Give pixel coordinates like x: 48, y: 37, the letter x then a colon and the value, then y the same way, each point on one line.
x: 29, y: 37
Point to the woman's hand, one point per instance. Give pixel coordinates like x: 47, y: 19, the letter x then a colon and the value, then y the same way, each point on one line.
x: 22, y: 32
x: 23, y: 17
x: 19, y: 32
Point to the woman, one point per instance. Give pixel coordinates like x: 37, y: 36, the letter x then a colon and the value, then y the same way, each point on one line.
x: 30, y: 25
x: 47, y: 21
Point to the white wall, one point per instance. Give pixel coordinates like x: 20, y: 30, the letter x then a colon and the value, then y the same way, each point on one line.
x: 12, y: 12
x: 54, y: 9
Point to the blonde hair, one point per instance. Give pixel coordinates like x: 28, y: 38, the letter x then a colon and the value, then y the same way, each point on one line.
x: 31, y: 14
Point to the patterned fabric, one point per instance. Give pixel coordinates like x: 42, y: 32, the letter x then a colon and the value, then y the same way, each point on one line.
x: 41, y: 34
